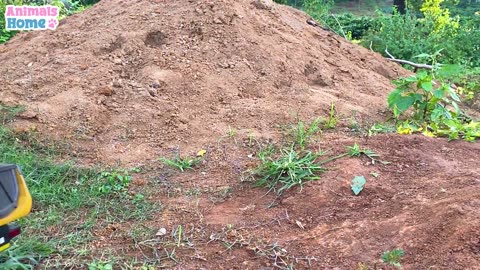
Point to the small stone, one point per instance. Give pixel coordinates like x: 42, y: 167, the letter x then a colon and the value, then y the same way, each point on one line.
x: 117, y: 83
x: 161, y: 232
x: 152, y: 91
x: 264, y: 4
x: 105, y: 90
x: 28, y: 115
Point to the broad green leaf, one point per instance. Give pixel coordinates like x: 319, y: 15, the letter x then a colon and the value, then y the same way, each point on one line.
x: 357, y: 184
x: 437, y: 113
x: 439, y: 93
x: 411, y: 79
x: 392, y: 97
x: 427, y: 86
x: 416, y: 97
x: 404, y: 103
x: 422, y: 74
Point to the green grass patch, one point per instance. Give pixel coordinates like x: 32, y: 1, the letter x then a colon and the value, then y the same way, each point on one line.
x: 69, y: 203
x: 291, y: 169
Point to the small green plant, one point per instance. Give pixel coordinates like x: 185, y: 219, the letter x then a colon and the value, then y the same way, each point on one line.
x: 302, y: 133
x: 332, y: 118
x: 231, y: 132
x: 289, y: 170
x: 379, y: 128
x: 113, y: 182
x: 178, y: 235
x: 393, y: 257
x: 100, y: 266
x: 419, y: 93
x: 182, y: 164
x: 356, y: 151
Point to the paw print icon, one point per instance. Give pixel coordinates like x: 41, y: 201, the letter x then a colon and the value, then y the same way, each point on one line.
x: 52, y: 24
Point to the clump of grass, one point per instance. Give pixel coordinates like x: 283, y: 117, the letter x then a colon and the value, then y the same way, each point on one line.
x: 332, y: 120
x: 182, y: 163
x: 289, y: 170
x: 8, y: 113
x: 25, y: 255
x: 302, y: 133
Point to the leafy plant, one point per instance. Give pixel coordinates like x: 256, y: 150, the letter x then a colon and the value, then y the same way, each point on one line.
x: 419, y: 93
x: 393, y: 257
x: 100, y: 266
x: 289, y: 170
x: 434, y: 105
x: 113, y: 182
x: 357, y: 26
x: 356, y: 151
x: 180, y: 163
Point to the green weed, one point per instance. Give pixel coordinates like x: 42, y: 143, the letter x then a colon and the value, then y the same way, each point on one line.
x: 289, y: 170
x: 100, y: 266
x: 393, y: 257
x: 355, y: 151
x: 25, y: 255
x: 112, y: 182
x: 302, y: 133
x: 182, y: 164
x: 332, y: 120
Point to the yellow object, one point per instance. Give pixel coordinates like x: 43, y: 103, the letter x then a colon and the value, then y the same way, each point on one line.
x: 24, y: 203
x: 201, y: 153
x: 2, y: 248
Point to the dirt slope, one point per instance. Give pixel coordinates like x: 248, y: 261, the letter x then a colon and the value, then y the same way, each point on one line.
x: 126, y: 80
x: 130, y: 80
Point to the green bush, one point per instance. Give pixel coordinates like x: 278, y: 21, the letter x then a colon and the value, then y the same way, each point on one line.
x: 354, y: 26
x: 405, y: 36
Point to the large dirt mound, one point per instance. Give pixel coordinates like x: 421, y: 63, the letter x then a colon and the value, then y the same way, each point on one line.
x: 130, y: 78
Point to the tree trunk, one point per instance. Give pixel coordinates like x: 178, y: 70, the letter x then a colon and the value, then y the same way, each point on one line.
x: 400, y: 5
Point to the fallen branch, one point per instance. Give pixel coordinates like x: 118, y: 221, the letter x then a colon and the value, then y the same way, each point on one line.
x: 415, y: 65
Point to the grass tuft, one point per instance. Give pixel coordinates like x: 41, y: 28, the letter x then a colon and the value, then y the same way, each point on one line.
x: 289, y: 170
x: 182, y: 164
